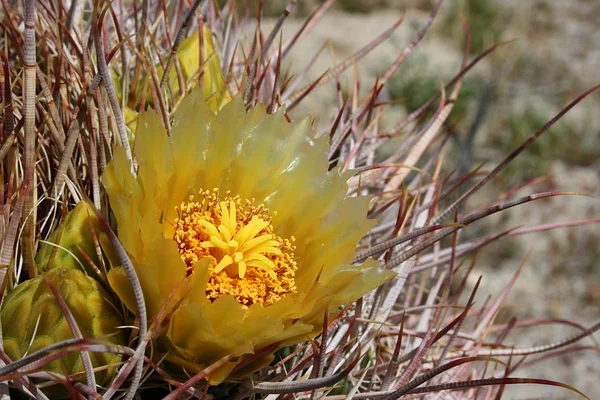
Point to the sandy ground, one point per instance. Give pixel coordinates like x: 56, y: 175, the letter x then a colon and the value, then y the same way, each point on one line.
x: 561, y: 278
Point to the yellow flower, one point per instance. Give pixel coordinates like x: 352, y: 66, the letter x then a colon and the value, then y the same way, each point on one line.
x: 237, y: 214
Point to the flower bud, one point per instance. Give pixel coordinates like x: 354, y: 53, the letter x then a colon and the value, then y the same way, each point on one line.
x: 33, y: 320
x: 72, y: 244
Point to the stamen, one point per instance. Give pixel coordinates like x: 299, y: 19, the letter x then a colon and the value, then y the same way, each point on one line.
x: 250, y: 262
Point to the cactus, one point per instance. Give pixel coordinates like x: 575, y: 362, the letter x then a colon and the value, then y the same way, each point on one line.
x: 166, y: 187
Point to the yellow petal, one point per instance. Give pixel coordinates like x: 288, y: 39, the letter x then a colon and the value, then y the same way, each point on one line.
x: 215, y: 90
x: 333, y: 240
x: 131, y: 118
x: 159, y: 275
x: 154, y: 161
x: 123, y: 191
x: 119, y: 283
x: 201, y: 331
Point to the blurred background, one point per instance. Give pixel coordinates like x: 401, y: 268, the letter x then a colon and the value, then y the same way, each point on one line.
x: 505, y: 99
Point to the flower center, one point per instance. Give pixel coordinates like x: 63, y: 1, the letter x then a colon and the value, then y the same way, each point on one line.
x: 249, y: 262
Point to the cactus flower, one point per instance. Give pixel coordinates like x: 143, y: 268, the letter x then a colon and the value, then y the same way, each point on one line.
x: 237, y: 214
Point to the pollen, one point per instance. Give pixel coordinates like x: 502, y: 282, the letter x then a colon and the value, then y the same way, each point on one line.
x: 249, y: 261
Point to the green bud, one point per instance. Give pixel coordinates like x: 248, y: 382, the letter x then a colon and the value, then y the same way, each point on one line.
x: 74, y: 237
x: 32, y: 320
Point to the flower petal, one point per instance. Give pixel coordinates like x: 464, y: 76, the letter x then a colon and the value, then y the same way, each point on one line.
x: 126, y: 197
x: 254, y: 156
